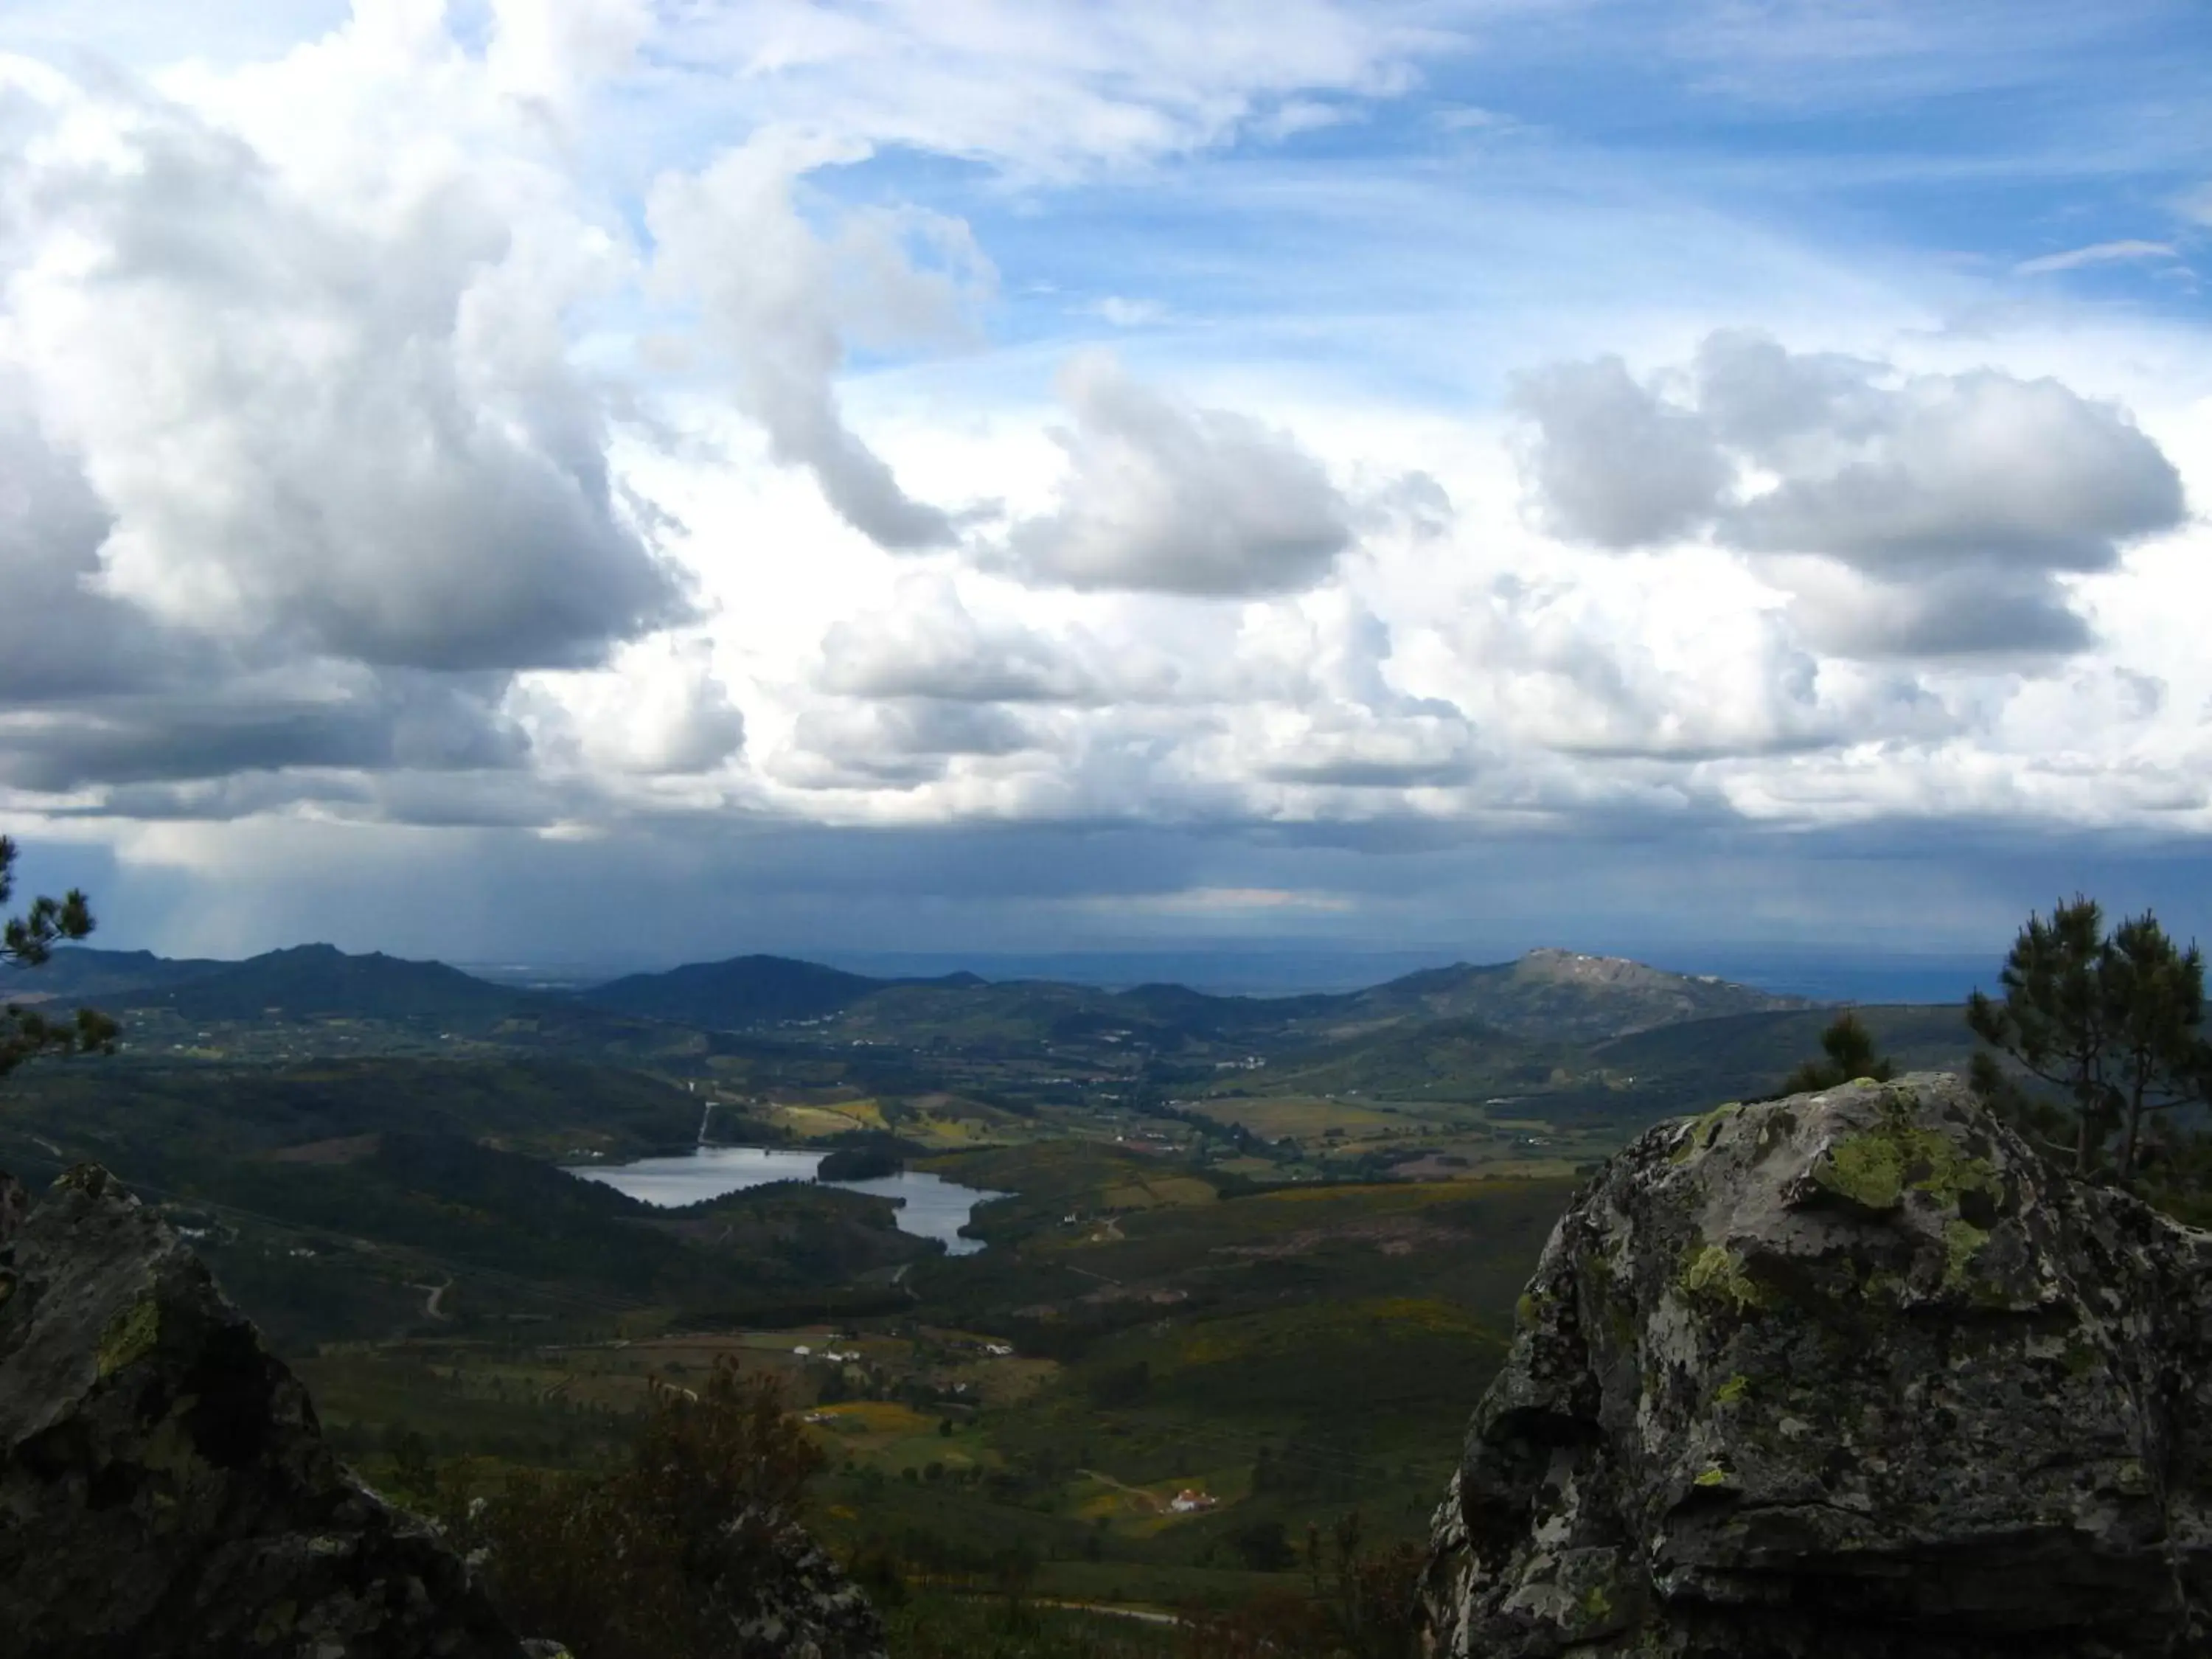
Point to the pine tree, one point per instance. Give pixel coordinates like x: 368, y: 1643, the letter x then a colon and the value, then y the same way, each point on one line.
x: 1851, y: 1053
x: 27, y: 941
x: 2114, y: 1022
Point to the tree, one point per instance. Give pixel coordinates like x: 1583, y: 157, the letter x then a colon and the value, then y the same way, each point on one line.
x: 659, y: 1556
x: 1851, y: 1053
x: 2156, y: 994
x: 28, y: 941
x: 2114, y: 1022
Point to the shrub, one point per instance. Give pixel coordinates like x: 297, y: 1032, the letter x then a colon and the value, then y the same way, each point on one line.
x: 642, y: 1562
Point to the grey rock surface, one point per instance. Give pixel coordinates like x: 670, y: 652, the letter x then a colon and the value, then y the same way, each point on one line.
x: 165, y: 1491
x: 15, y: 1205
x: 782, y: 1597
x: 1853, y: 1374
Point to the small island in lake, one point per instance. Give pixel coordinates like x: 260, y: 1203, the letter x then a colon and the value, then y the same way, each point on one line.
x: 872, y: 1160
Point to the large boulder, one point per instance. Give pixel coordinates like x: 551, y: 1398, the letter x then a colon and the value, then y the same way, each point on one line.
x: 165, y: 1491
x: 1855, y: 1375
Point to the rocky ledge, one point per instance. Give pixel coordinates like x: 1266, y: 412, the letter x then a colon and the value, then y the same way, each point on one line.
x: 165, y: 1491
x: 1853, y: 1374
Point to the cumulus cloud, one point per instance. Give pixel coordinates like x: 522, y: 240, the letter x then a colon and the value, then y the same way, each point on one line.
x: 59, y: 637
x: 930, y: 645
x: 1164, y: 496
x: 928, y: 642
x: 1928, y: 493
x: 1613, y: 462
x: 1366, y: 752
x: 302, y: 425
x: 1964, y: 609
x: 782, y: 300
x: 659, y: 710
x: 893, y: 745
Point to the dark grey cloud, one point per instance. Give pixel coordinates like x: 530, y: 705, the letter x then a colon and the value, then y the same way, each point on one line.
x: 353, y: 720
x: 1955, y: 501
x: 1373, y: 771
x: 59, y: 637
x: 1165, y: 497
x: 1973, y: 608
x: 669, y: 892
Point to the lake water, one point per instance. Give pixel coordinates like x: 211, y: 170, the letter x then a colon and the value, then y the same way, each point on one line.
x: 932, y: 1206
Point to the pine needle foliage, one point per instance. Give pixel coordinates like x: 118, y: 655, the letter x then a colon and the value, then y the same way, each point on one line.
x: 1848, y: 1054
x: 2113, y: 1022
x: 28, y: 941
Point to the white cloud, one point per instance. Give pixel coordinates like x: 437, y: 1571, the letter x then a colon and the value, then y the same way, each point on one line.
x: 928, y: 644
x: 1945, y: 506
x: 604, y: 420
x: 347, y: 437
x: 1054, y: 89
x: 1613, y: 462
x: 1164, y: 496
x: 659, y: 709
x: 1128, y: 314
x: 2097, y: 254
x: 549, y: 50
x: 780, y: 300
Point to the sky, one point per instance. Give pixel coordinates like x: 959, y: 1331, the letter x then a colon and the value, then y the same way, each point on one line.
x: 641, y: 480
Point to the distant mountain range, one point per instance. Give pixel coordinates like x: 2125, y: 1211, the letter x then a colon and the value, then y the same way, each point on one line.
x: 305, y: 982
x: 1546, y: 996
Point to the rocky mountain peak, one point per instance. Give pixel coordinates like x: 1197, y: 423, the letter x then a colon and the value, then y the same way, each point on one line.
x: 1852, y: 1374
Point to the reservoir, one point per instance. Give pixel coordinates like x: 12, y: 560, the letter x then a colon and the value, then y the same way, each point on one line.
x: 930, y: 1206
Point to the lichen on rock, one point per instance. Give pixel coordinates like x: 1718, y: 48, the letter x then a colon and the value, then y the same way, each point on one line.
x: 1855, y: 1375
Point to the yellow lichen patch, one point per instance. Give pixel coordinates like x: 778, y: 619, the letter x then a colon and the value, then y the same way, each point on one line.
x: 1717, y: 1274
x: 130, y: 1335
x: 1703, y: 1130
x: 1877, y: 1168
x: 1961, y: 1239
x: 1868, y: 1170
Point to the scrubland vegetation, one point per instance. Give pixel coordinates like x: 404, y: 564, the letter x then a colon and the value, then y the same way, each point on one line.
x: 1256, y: 1264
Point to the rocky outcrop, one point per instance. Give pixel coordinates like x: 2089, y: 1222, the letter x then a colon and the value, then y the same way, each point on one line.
x: 1852, y: 1374
x: 165, y: 1491
x: 785, y: 1597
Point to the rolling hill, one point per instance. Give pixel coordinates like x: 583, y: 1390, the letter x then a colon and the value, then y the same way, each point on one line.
x: 740, y: 993
x: 1564, y: 996
x: 1546, y: 996
x: 81, y: 971
x: 312, y: 980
